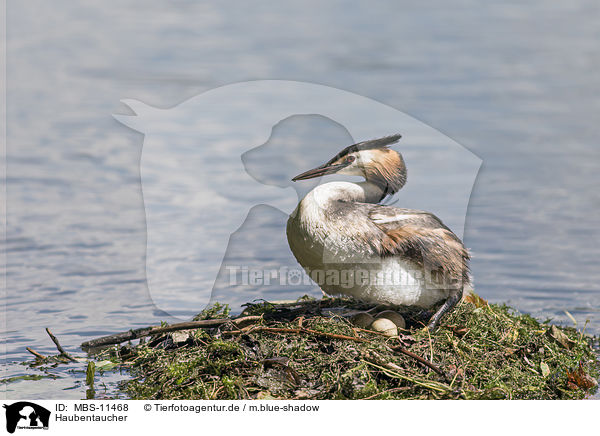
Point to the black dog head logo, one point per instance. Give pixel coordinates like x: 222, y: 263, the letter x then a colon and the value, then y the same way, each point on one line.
x: 26, y: 414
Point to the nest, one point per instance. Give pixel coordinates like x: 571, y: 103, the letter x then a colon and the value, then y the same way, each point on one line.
x: 310, y: 349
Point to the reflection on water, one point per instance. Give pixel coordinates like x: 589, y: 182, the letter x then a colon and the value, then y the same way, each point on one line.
x: 514, y: 83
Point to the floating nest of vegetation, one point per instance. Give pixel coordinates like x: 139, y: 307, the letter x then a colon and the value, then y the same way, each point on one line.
x: 311, y: 349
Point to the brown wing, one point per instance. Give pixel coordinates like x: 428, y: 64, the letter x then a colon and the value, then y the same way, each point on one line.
x: 423, y: 238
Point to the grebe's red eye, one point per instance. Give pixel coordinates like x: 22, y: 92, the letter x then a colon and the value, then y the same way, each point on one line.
x: 350, y: 159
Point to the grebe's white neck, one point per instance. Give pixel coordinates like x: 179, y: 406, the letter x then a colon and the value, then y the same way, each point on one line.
x: 361, y: 192
x: 317, y: 205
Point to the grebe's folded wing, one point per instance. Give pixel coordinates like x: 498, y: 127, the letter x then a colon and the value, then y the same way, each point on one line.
x: 420, y: 236
x: 389, y: 218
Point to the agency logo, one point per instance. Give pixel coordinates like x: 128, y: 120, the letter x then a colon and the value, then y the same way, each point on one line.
x: 26, y: 415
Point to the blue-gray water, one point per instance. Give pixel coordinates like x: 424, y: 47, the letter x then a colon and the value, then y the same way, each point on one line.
x: 516, y: 83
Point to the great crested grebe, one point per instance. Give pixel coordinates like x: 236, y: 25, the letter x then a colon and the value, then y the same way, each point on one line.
x: 352, y: 245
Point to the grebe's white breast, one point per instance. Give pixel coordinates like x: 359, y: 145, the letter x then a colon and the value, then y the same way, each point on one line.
x: 333, y: 238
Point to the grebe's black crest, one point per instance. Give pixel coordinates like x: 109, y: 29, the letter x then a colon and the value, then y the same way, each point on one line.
x: 372, y: 159
x: 366, y: 145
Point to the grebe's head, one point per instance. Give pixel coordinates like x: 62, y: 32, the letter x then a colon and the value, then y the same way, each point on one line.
x: 373, y: 160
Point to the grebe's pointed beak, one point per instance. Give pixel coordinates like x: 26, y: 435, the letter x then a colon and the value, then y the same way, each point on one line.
x: 320, y: 171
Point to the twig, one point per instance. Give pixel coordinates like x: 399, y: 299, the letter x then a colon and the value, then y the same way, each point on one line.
x: 153, y: 330
x: 335, y: 336
x: 36, y: 354
x: 118, y: 338
x: 297, y: 332
x: 206, y: 323
x: 59, y: 347
x: 419, y: 359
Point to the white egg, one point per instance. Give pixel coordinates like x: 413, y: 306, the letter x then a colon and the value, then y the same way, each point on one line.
x: 385, y: 326
x: 395, y: 317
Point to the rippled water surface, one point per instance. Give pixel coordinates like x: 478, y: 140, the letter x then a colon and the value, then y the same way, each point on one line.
x: 514, y: 83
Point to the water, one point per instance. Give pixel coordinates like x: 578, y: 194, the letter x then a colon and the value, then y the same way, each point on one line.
x: 514, y: 83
